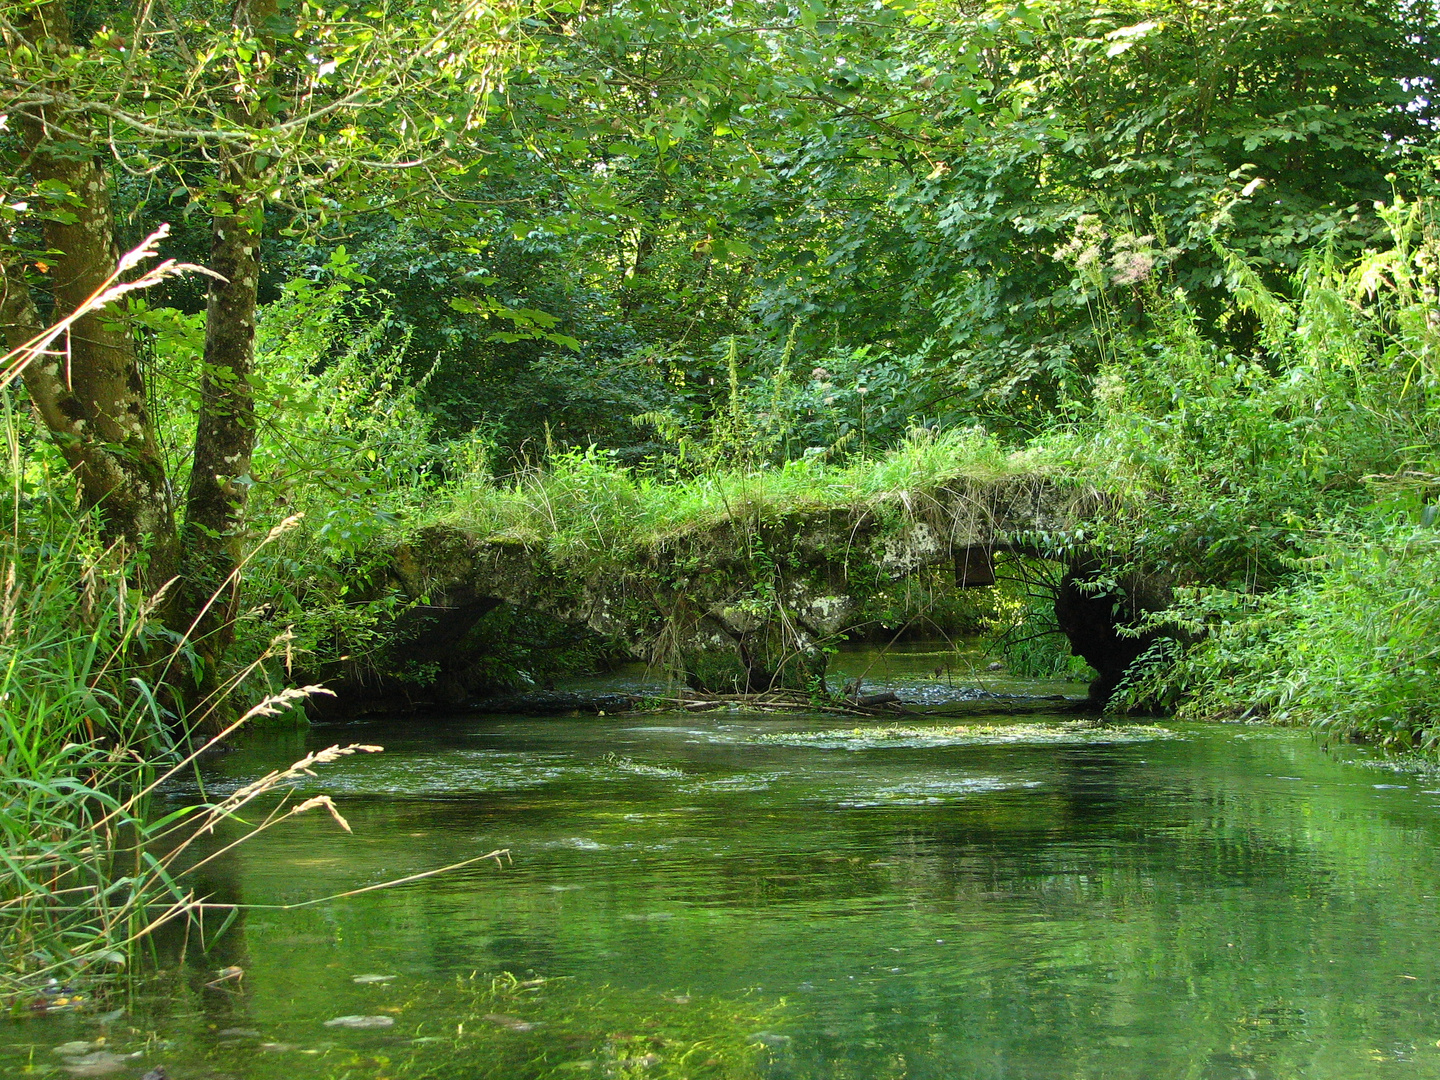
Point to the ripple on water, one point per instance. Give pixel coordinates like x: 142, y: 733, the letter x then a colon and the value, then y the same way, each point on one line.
x: 928, y: 792
x: 575, y: 843
x: 614, y: 763
x: 875, y: 738
x: 457, y: 772
x: 740, y: 783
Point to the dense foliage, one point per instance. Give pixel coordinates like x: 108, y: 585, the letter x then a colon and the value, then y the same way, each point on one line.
x: 586, y: 274
x: 683, y: 238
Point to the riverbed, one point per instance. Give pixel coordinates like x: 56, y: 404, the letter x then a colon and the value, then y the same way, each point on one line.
x: 738, y: 895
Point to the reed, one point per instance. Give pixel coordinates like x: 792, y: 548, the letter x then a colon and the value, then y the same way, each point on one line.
x: 88, y: 726
x: 86, y: 869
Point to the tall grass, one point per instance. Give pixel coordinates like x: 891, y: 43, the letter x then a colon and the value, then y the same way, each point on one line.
x: 88, y: 728
x: 1352, y: 647
x: 74, y: 737
x: 86, y: 871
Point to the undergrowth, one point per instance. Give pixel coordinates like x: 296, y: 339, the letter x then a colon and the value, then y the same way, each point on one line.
x: 1351, y: 647
x: 1287, y: 493
x: 582, y: 505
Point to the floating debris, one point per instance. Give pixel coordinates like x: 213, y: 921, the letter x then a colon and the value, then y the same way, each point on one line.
x: 57, y: 998
x: 227, y: 974
x: 361, y: 1022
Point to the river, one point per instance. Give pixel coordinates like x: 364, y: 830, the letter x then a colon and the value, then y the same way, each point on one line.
x: 729, y: 895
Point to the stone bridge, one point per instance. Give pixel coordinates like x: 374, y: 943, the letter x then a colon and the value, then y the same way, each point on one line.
x: 749, y: 601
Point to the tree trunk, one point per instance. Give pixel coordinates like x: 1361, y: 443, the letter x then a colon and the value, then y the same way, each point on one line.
x: 92, y: 397
x: 225, y: 434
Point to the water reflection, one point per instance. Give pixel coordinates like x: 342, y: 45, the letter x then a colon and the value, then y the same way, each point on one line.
x: 208, y: 954
x: 736, y: 896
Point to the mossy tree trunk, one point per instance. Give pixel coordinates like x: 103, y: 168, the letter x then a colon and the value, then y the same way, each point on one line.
x: 91, y: 395
x: 91, y: 398
x: 225, y: 432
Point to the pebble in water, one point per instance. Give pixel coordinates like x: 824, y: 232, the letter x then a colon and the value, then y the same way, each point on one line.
x: 99, y: 1063
x: 511, y: 1022
x: 361, y: 1022
x: 770, y: 1038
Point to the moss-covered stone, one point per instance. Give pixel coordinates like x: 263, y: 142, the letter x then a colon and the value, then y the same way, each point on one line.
x: 742, y: 604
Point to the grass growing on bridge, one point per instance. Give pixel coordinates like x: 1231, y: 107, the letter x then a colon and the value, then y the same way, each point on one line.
x: 583, y: 505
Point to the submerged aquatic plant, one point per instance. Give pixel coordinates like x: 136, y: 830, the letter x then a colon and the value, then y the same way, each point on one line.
x: 506, y: 1026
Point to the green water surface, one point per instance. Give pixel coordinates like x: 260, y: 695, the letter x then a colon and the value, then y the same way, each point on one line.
x: 736, y: 895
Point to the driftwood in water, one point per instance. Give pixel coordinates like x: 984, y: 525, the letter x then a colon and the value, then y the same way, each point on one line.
x: 555, y: 703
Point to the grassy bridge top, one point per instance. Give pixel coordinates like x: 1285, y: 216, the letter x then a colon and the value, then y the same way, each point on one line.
x: 583, y: 511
